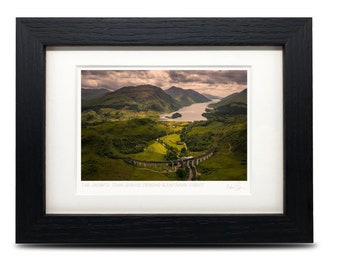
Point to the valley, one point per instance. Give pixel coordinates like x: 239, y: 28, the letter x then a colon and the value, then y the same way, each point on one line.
x: 127, y: 135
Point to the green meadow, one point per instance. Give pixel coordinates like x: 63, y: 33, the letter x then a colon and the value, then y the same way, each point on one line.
x: 106, y: 143
x: 112, y: 135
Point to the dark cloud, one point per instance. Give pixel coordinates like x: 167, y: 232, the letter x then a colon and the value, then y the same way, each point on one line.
x: 218, y: 82
x: 209, y: 76
x: 177, y: 76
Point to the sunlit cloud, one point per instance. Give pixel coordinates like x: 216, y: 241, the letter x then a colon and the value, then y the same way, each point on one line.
x: 215, y: 82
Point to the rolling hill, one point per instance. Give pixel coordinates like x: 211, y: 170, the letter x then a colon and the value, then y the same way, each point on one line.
x: 235, y: 103
x: 186, y: 97
x: 89, y: 94
x: 135, y: 98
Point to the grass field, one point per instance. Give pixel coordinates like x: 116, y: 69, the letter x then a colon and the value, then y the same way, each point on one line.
x: 172, y: 141
x: 228, y: 162
x: 110, y: 136
x: 153, y: 152
x: 223, y: 166
x: 118, y: 169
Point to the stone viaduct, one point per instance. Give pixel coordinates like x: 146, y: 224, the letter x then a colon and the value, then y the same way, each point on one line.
x: 170, y: 165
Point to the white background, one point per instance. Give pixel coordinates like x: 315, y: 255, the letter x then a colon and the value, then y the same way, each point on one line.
x: 324, y: 253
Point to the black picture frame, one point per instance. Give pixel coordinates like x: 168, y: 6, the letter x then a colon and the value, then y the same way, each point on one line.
x: 33, y: 225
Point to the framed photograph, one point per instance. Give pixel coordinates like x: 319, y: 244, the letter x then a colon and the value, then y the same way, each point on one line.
x: 164, y: 131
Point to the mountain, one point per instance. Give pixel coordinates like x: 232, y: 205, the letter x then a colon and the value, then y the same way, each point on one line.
x: 230, y: 96
x: 186, y: 97
x: 136, y: 98
x: 237, y: 97
x: 209, y: 96
x: 88, y: 94
x: 235, y: 103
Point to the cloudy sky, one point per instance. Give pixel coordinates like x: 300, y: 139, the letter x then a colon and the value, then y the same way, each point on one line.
x: 215, y: 82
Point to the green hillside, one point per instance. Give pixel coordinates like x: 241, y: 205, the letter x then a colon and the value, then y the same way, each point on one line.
x: 186, y: 97
x: 230, y: 141
x: 240, y: 97
x: 89, y: 94
x: 235, y: 103
x: 135, y: 98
